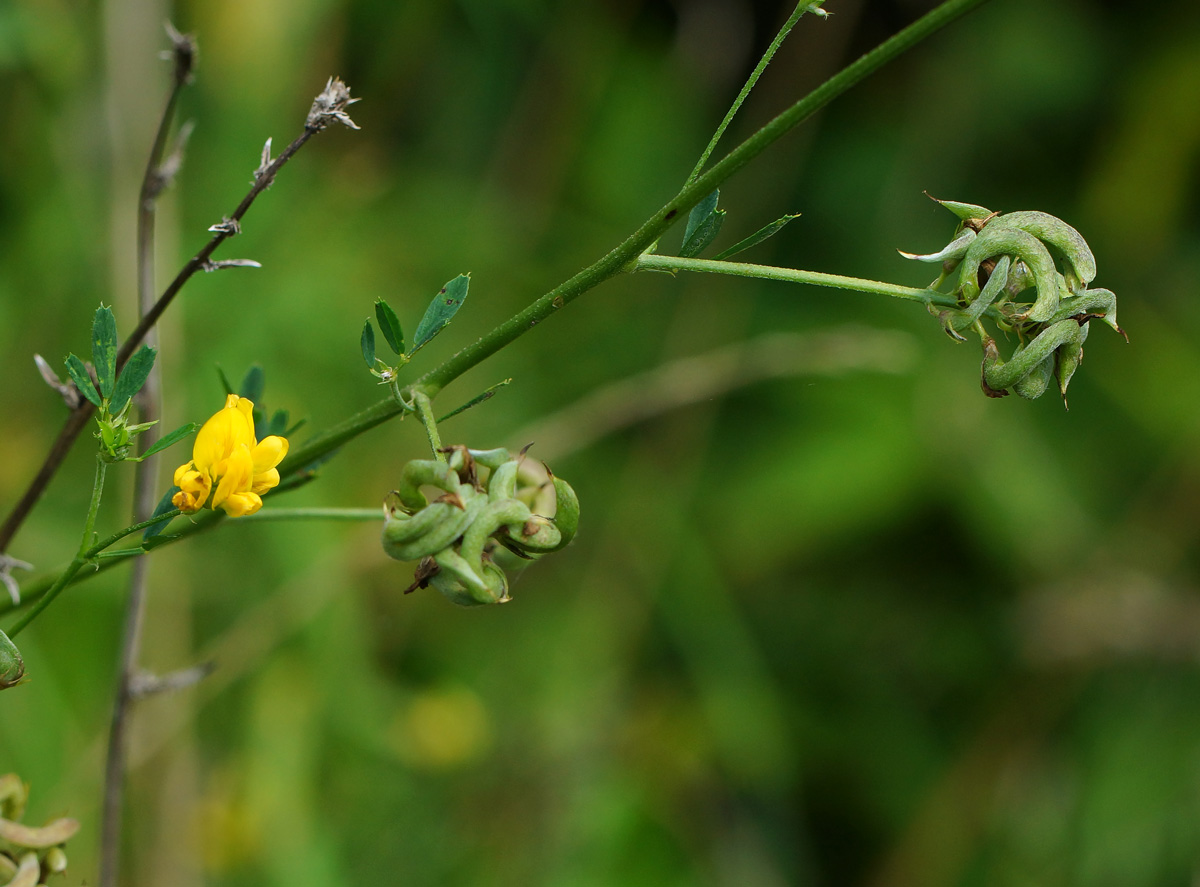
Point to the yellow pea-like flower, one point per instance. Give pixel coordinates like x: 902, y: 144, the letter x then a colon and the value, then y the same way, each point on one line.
x: 229, y: 463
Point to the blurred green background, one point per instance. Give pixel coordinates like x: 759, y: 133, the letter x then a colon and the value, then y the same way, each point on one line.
x: 851, y: 624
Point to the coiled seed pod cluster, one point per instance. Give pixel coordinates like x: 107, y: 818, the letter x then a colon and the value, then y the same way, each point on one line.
x: 994, y: 259
x: 29, y: 855
x: 454, y: 535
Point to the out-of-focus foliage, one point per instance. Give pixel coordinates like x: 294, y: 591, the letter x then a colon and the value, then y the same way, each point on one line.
x: 844, y: 628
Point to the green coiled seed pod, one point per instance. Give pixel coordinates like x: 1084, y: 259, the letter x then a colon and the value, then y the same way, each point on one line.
x: 12, y: 666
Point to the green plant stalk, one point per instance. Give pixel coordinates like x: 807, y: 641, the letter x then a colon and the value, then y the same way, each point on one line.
x: 425, y: 413
x: 624, y: 256
x: 801, y: 8
x: 38, y: 591
x: 794, y: 275
x: 89, y: 529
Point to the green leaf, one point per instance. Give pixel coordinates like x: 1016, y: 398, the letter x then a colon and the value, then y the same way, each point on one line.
x: 700, y: 213
x: 133, y: 377
x: 225, y: 382
x: 164, y: 505
x: 756, y: 238
x: 79, y: 375
x: 475, y: 401
x: 368, y: 344
x: 299, y: 424
x: 104, y: 349
x: 389, y: 325
x: 252, y: 384
x: 278, y: 423
x: 443, y: 307
x: 170, y: 439
x: 704, y: 235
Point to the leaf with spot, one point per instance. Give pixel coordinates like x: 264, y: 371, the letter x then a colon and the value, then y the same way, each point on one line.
x: 440, y: 311
x: 104, y: 349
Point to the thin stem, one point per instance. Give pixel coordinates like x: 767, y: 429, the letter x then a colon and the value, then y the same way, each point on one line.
x: 44, y: 597
x: 149, y: 402
x: 624, y: 256
x: 425, y: 414
x: 78, y: 418
x: 794, y: 275
x: 86, y: 549
x: 327, y: 514
x: 89, y: 528
x: 801, y: 8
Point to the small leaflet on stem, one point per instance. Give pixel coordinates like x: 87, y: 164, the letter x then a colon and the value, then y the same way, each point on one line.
x: 7, y: 565
x: 230, y: 263
x: 264, y: 163
x: 69, y: 393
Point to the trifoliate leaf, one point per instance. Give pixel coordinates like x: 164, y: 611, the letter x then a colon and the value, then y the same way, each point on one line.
x: 104, y: 349
x: 133, y: 377
x: 278, y: 423
x: 389, y: 325
x: 443, y: 307
x: 79, y: 375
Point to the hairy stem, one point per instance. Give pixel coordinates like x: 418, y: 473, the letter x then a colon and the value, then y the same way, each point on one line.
x: 625, y: 256
x: 425, y: 414
x: 801, y: 8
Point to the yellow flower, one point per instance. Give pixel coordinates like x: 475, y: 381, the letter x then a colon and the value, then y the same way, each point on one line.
x: 227, y: 456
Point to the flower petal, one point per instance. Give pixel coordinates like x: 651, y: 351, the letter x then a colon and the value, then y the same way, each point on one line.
x: 239, y: 472
x: 269, y: 453
x: 228, y: 428
x: 241, y: 504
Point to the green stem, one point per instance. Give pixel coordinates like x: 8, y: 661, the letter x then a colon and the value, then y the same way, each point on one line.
x: 331, y: 514
x: 801, y: 8
x: 89, y: 527
x: 425, y: 414
x: 794, y: 275
x: 627, y: 252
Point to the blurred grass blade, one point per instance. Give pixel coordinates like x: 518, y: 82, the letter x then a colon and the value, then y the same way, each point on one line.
x: 79, y: 375
x: 367, y: 342
x: 389, y: 325
x: 756, y: 238
x: 133, y: 376
x: 104, y: 349
x: 440, y: 311
x: 475, y: 401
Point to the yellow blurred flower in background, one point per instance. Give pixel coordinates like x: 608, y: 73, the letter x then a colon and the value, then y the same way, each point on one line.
x: 227, y: 455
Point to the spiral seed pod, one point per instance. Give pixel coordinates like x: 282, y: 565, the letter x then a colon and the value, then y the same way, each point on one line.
x: 453, y: 536
x: 12, y: 666
x: 999, y: 257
